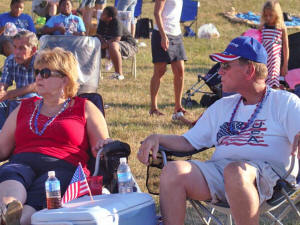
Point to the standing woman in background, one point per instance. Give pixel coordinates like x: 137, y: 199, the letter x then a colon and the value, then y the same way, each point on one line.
x: 275, y: 39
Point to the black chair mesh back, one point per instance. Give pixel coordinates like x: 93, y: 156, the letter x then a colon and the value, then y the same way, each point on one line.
x: 294, y: 46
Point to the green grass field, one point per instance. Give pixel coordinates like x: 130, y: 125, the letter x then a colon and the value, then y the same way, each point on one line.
x: 127, y: 117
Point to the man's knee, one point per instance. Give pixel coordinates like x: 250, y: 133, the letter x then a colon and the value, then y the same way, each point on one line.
x: 238, y: 174
x: 114, y: 46
x: 171, y: 174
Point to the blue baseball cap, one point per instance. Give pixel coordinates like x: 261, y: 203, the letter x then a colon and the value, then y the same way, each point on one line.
x: 245, y: 47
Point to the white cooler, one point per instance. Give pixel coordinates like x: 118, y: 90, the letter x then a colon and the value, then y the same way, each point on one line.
x: 113, y: 209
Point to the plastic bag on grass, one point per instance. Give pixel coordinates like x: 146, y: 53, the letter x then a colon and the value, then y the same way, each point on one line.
x: 208, y: 31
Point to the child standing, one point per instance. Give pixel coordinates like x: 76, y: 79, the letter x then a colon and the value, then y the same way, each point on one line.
x: 274, y: 39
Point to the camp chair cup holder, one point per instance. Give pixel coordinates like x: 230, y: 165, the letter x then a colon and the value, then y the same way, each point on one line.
x: 107, y: 162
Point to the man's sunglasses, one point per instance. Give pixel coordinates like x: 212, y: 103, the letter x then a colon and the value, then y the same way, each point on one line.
x: 46, y: 73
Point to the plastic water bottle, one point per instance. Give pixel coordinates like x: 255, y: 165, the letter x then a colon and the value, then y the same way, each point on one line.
x: 125, y: 182
x: 53, y: 194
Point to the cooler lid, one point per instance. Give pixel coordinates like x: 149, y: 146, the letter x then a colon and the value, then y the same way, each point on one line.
x: 103, y: 208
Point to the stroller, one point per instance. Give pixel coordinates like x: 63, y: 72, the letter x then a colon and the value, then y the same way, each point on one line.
x: 213, y: 80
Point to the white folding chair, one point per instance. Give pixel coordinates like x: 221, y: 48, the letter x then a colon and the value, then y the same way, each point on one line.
x: 87, y: 51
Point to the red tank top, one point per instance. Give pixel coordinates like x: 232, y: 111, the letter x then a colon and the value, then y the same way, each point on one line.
x: 65, y: 138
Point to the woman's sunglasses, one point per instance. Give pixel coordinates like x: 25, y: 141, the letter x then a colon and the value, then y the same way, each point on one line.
x: 46, y: 73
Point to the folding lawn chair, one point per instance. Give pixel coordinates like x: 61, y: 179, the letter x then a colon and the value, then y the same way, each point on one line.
x: 213, y: 80
x: 190, y: 13
x: 285, y: 195
x: 87, y: 51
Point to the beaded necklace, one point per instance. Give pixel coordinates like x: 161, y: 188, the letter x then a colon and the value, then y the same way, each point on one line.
x: 38, y: 109
x: 259, y: 105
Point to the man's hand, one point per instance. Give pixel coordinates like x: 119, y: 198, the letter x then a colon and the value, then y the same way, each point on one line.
x: 283, y: 70
x: 61, y: 29
x: 151, y: 143
x: 164, y: 43
x: 296, y: 146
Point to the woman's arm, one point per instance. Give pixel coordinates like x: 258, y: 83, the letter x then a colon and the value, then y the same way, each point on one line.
x: 286, y: 52
x: 7, y: 135
x: 158, y: 8
x: 96, y: 127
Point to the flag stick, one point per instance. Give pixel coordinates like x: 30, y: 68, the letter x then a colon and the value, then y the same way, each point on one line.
x: 90, y: 193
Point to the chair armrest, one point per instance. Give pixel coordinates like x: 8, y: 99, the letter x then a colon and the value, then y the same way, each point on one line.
x: 117, y: 149
x: 179, y: 154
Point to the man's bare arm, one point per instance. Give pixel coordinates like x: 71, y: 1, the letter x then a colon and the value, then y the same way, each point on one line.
x: 11, y: 94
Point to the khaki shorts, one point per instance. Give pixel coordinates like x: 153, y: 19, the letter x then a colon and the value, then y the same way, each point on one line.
x: 212, y: 170
x: 127, y: 50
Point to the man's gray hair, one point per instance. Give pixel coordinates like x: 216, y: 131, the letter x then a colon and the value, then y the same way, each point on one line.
x: 32, y: 39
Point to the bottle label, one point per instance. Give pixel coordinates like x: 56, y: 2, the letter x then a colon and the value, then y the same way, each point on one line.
x: 53, y: 186
x: 123, y: 177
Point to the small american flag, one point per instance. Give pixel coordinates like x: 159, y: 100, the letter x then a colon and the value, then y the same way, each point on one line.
x: 77, y: 187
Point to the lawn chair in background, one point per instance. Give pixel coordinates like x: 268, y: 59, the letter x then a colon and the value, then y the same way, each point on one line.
x: 293, y: 76
x: 87, y: 51
x: 285, y: 194
x: 190, y: 13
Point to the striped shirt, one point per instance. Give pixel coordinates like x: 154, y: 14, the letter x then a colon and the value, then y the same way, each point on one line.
x: 13, y: 71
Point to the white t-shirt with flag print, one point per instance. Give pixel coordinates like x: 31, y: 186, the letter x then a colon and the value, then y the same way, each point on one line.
x: 269, y: 138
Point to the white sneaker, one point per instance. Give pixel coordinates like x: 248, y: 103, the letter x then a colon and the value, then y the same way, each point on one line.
x: 117, y: 76
x: 108, y: 65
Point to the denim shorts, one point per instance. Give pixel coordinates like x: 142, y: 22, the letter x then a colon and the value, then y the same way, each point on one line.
x: 266, y: 177
x: 31, y: 170
x: 174, y: 53
x: 127, y: 5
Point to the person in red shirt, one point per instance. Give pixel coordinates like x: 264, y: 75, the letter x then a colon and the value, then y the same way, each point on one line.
x: 51, y: 132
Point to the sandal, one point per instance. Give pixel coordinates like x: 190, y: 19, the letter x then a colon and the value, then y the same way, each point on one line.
x: 11, y: 214
x: 155, y: 112
x: 181, y: 110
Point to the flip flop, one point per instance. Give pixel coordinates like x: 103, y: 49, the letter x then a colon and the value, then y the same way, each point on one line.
x: 11, y: 213
x: 181, y: 110
x: 155, y: 112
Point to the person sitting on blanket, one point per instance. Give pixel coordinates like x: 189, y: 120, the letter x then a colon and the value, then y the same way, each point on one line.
x: 65, y: 23
x: 15, y: 19
x: 52, y: 132
x: 253, y: 138
x: 18, y: 68
x: 115, y: 40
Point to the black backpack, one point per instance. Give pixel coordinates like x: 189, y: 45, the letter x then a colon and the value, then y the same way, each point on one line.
x: 144, y: 27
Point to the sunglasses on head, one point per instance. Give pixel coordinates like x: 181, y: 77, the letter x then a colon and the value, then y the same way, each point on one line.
x: 46, y: 73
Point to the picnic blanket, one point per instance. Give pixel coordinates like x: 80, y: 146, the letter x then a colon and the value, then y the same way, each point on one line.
x: 253, y: 20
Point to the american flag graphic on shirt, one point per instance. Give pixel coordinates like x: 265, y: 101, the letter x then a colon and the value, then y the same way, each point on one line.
x: 77, y: 187
x: 253, y: 135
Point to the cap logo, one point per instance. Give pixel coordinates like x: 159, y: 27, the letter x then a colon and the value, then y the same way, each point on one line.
x: 235, y: 45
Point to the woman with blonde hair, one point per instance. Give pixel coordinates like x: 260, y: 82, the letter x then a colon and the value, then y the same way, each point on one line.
x: 274, y: 39
x: 51, y: 132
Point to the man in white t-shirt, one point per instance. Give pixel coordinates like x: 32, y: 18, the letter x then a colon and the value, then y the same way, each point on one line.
x: 254, y: 132
x: 167, y: 48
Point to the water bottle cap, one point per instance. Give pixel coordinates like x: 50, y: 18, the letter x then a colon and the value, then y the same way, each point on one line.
x: 123, y: 160
x: 51, y: 173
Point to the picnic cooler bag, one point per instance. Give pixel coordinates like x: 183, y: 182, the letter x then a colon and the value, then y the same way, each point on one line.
x: 112, y: 209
